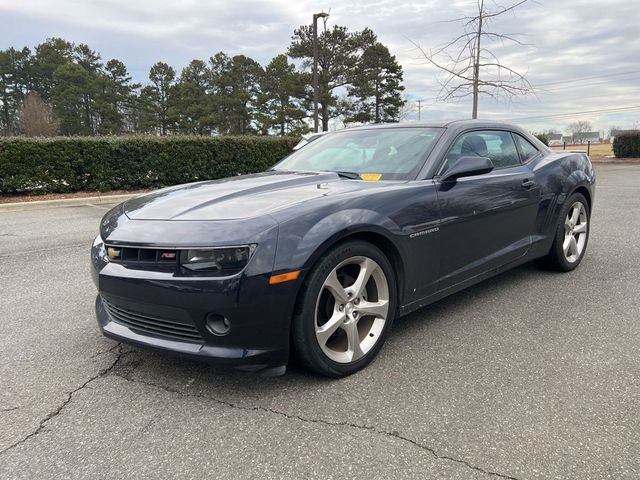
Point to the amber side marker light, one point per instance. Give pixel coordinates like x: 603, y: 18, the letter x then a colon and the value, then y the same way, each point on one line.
x: 283, y: 277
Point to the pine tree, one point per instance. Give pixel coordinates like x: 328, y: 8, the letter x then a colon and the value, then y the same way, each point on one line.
x: 114, y: 98
x: 376, y: 84
x: 14, y: 65
x: 90, y: 61
x: 281, y: 98
x: 235, y: 84
x: 157, y: 100
x: 229, y: 95
x: 73, y: 85
x: 338, y: 54
x: 48, y: 57
x: 193, y: 103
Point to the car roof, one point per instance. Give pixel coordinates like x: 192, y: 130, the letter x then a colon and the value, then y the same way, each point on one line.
x: 457, y: 124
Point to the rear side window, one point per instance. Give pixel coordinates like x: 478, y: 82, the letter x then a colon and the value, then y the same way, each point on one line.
x: 496, y: 145
x: 527, y: 151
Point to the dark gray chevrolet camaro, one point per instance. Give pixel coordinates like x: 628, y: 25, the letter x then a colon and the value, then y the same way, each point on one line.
x: 320, y: 254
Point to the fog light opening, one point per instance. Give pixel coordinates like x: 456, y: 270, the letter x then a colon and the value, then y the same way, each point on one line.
x: 217, y: 324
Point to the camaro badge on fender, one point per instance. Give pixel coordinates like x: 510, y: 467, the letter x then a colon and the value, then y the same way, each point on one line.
x: 424, y: 232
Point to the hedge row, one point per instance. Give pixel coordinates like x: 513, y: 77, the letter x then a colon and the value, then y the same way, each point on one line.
x: 70, y: 164
x: 627, y: 145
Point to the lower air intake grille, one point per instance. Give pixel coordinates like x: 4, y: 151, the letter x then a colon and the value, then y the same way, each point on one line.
x: 152, y: 325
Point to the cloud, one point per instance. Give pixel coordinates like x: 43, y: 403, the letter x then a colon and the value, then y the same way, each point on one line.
x: 568, y: 40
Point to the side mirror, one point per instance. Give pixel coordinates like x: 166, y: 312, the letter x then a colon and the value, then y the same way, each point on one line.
x: 467, y: 167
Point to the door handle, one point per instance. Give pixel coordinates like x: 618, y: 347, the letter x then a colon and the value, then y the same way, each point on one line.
x: 527, y: 184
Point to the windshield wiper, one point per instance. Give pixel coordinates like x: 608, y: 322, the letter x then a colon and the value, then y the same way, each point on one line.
x: 343, y: 174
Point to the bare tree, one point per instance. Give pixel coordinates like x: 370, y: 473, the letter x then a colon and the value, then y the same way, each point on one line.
x: 612, y: 129
x: 407, y: 109
x: 469, y: 63
x: 577, y: 129
x: 36, y: 119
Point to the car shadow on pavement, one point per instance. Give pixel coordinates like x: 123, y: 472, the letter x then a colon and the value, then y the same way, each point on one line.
x: 188, y: 377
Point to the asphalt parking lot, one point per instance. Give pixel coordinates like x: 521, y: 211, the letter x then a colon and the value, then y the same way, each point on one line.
x: 532, y: 374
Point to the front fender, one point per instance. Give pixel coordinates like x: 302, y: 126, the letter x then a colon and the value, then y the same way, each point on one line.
x: 303, y: 240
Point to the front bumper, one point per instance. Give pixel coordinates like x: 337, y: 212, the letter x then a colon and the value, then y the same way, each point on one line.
x: 160, y: 311
x: 211, y: 351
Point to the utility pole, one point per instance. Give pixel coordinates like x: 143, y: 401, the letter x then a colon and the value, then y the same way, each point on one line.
x: 476, y: 63
x: 316, y: 92
x: 419, y: 108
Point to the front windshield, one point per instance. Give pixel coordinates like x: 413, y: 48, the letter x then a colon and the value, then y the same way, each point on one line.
x: 375, y: 154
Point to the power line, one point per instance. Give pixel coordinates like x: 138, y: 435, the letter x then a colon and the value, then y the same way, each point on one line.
x: 585, y: 112
x: 580, y: 85
x: 579, y: 79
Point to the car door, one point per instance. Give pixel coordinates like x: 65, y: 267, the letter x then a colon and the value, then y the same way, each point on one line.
x: 486, y: 220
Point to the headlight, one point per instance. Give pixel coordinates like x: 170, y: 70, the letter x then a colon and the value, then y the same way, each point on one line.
x: 98, y: 258
x: 98, y: 249
x: 220, y: 259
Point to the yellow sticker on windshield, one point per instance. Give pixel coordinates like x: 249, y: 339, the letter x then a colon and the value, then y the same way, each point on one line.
x: 371, y: 177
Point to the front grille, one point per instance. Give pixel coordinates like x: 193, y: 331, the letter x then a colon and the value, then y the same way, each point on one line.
x: 142, y: 255
x: 154, y: 325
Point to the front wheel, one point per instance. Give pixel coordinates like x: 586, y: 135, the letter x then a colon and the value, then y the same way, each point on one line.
x: 346, y: 309
x: 571, y: 236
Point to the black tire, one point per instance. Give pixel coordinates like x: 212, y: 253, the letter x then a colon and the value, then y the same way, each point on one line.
x: 305, y: 342
x: 556, y: 258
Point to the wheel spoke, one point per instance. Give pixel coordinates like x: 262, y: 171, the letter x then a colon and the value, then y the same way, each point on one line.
x: 575, y: 214
x: 566, y: 244
x: 581, y: 228
x: 573, y: 245
x: 335, y: 287
x: 354, y: 350
x: 377, y: 309
x: 367, y: 267
x: 325, y: 331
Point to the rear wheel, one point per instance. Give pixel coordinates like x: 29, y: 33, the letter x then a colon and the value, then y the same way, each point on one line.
x: 346, y: 309
x: 572, y: 235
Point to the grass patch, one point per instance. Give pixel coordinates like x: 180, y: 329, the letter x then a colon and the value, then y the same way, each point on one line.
x: 597, y: 149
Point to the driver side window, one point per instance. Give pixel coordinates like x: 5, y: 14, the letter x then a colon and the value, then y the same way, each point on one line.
x: 496, y: 145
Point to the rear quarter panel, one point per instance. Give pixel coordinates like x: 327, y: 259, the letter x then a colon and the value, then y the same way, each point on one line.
x: 558, y: 174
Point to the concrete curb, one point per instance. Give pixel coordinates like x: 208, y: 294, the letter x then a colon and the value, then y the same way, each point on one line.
x: 615, y: 161
x: 65, y: 202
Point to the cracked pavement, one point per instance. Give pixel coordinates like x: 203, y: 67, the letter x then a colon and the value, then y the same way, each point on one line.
x: 530, y: 375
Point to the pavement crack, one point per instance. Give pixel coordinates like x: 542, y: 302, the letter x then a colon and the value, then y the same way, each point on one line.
x: 10, y: 409
x: 103, y: 352
x: 145, y: 428
x: 58, y: 410
x: 368, y: 428
x: 447, y: 457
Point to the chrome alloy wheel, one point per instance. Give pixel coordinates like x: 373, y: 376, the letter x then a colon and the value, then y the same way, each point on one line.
x: 352, y: 309
x: 575, y: 232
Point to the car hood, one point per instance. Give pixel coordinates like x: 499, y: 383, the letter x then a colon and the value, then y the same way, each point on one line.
x: 240, y: 197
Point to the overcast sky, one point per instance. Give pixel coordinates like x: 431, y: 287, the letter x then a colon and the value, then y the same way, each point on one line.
x: 583, y: 55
